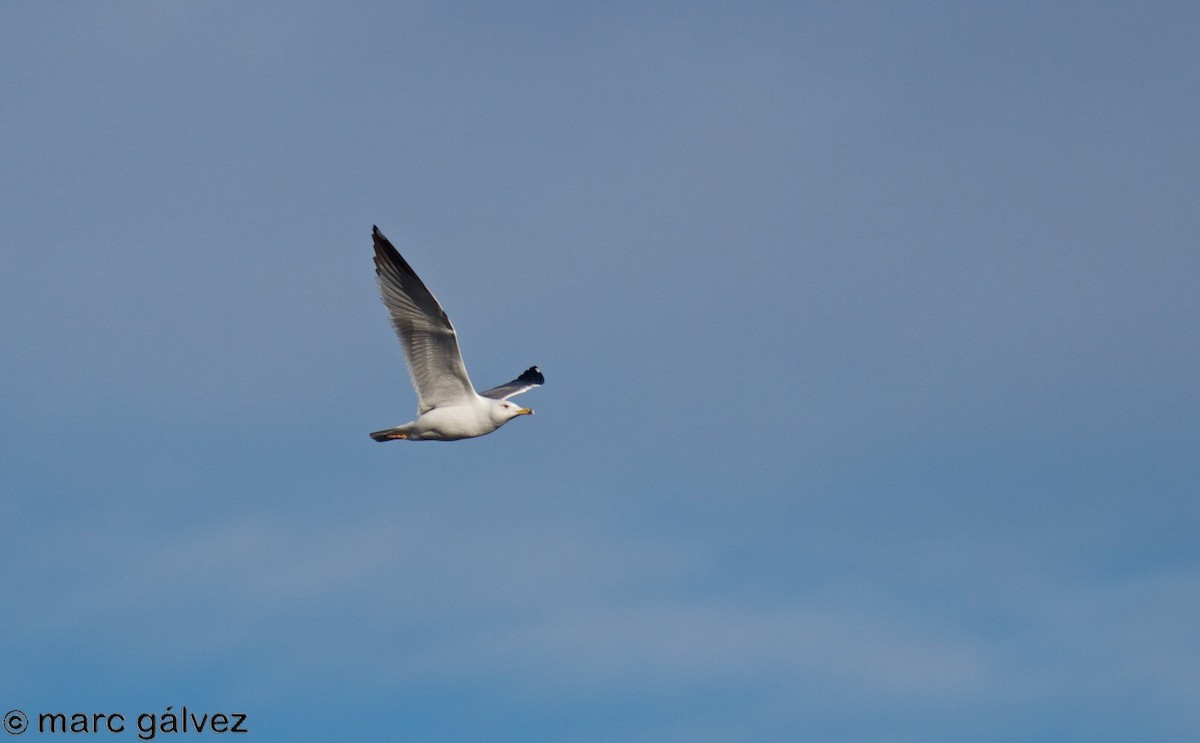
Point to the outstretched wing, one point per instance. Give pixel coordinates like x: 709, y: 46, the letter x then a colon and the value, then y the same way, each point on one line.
x: 530, y: 378
x: 430, y: 343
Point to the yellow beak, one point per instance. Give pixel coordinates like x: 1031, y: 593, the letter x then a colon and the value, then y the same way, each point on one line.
x: 525, y: 411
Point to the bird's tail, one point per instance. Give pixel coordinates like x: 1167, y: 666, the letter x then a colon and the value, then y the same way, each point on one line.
x: 391, y: 434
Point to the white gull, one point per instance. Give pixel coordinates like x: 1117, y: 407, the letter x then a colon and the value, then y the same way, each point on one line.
x: 448, y: 407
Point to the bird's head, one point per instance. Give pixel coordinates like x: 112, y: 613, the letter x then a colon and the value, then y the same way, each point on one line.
x: 504, y: 411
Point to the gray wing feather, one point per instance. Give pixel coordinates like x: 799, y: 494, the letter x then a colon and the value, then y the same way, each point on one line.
x: 530, y: 378
x: 429, y: 341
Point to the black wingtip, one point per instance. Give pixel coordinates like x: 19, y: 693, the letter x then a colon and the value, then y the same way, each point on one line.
x: 386, y: 253
x: 532, y: 375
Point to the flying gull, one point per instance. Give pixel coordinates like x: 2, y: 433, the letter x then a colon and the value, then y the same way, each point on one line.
x: 448, y: 407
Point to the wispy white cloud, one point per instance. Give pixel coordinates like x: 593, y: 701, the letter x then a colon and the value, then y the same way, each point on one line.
x: 568, y: 608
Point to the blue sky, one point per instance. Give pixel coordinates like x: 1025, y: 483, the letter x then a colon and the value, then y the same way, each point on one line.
x: 869, y: 329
